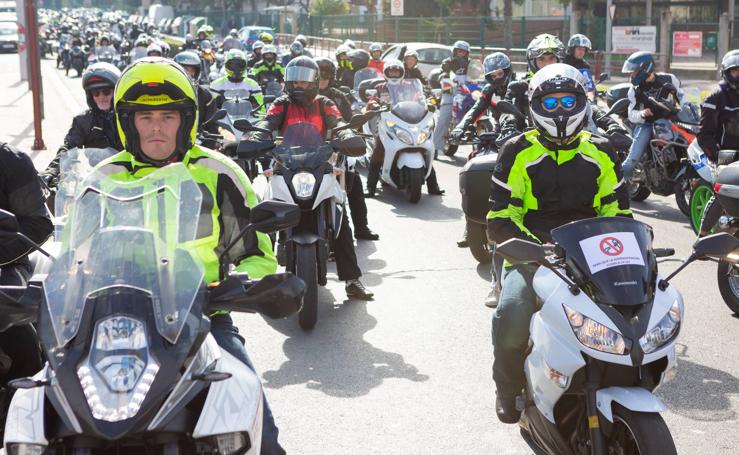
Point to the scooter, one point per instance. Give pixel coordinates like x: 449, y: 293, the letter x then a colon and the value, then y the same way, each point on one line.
x: 603, y: 339
x: 122, y: 319
x: 305, y: 173
x: 466, y: 89
x: 405, y: 131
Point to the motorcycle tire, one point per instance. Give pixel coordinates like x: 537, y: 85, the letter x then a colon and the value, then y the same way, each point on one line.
x: 683, y: 195
x: 307, y: 270
x: 414, y: 185
x: 699, y: 197
x: 728, y: 285
x: 638, y: 192
x: 477, y: 240
x: 449, y: 149
x: 643, y: 433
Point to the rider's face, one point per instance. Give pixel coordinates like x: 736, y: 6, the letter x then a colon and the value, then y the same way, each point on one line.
x: 410, y: 62
x: 192, y: 71
x: 303, y: 85
x: 157, y: 132
x: 546, y: 59
x: 323, y: 84
x: 103, y: 98
x: 734, y: 72
x: 580, y: 52
x: 376, y: 54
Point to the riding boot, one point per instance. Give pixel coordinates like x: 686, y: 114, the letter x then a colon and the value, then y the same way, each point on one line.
x: 372, y: 177
x: 432, y: 184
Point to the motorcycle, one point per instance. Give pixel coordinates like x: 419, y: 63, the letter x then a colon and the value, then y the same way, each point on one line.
x: 405, y: 130
x: 122, y: 321
x: 603, y: 338
x: 304, y: 173
x: 77, y: 61
x: 474, y: 185
x: 466, y: 89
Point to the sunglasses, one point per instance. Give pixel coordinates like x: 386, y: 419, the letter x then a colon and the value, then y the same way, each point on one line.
x: 550, y: 103
x: 97, y: 91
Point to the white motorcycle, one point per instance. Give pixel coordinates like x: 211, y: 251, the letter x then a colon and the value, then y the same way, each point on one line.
x: 406, y: 131
x: 603, y: 338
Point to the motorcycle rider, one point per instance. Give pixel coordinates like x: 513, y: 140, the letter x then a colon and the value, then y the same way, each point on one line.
x: 345, y: 71
x: 94, y: 128
x: 410, y: 67
x: 189, y: 43
x: 720, y: 127
x: 232, y: 41
x: 457, y: 64
x: 646, y: 83
x: 302, y: 103
x: 266, y: 38
x: 354, y: 193
x: 104, y: 46
x: 546, y: 177
x: 205, y: 33
x: 20, y: 194
x: 268, y: 68
x: 393, y: 74
x: 376, y: 62
x: 256, y: 54
x: 158, y: 127
x: 154, y: 50
x: 304, y: 41
x: 190, y: 61
x: 577, y: 48
x: 236, y: 78
x: 296, y: 50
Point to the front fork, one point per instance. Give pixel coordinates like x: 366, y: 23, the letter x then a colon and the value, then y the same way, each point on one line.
x: 592, y: 384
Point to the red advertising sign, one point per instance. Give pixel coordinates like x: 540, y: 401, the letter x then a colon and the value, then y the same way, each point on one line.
x: 687, y: 44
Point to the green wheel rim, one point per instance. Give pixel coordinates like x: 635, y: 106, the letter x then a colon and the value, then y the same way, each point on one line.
x: 698, y: 202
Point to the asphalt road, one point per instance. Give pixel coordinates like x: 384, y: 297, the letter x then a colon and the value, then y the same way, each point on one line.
x: 410, y: 372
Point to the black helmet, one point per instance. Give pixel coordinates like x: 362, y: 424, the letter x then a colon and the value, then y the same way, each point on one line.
x: 327, y: 69
x: 302, y: 69
x: 730, y: 61
x: 191, y: 59
x: 497, y: 70
x: 99, y: 75
x: 359, y: 58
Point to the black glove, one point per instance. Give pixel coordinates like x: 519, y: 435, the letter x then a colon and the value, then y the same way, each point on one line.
x: 456, y: 134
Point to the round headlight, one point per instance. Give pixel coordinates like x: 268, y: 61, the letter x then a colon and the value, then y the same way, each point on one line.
x: 303, y: 183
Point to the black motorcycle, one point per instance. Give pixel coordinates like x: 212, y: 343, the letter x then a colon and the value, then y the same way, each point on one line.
x: 77, y: 61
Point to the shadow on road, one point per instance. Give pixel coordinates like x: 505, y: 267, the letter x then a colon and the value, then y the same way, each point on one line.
x: 429, y: 208
x: 335, y: 358
x: 700, y: 393
x: 660, y: 210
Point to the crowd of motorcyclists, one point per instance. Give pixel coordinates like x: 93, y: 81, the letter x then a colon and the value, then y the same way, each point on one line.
x: 560, y: 155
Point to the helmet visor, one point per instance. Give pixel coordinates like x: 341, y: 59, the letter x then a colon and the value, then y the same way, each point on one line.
x: 236, y: 65
x: 630, y: 66
x: 300, y: 73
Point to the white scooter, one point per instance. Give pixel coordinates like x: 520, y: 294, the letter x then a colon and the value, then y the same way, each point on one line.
x: 406, y: 131
x: 603, y: 338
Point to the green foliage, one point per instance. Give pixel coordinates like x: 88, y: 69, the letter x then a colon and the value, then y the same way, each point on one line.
x: 328, y: 7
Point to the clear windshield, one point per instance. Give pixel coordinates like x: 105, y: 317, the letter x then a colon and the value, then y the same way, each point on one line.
x: 364, y: 75
x: 273, y: 88
x: 236, y: 103
x: 410, y: 90
x: 74, y: 166
x: 130, y: 235
x: 302, y: 147
x: 475, y: 72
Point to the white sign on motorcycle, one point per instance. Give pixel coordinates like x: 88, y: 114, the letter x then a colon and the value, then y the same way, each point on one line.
x: 611, y: 250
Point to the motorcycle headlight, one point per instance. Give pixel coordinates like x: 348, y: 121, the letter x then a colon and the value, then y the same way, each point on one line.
x: 304, y: 182
x: 663, y: 332
x: 226, y: 444
x: 118, y: 372
x: 594, y: 334
x: 403, y: 134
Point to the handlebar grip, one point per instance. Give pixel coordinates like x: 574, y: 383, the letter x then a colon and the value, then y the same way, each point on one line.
x: 664, y: 252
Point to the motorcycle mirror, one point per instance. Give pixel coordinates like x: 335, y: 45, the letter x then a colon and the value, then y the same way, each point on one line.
x: 371, y: 92
x: 271, y: 216
x: 618, y: 107
x: 269, y: 99
x: 506, y: 107
x: 603, y: 77
x: 275, y: 296
x: 520, y: 251
x: 217, y: 116
x: 718, y: 246
x: 726, y: 157
x: 353, y: 146
x: 242, y: 125
x: 251, y: 150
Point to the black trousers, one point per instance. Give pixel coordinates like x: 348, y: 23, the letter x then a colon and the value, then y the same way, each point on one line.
x: 346, y: 258
x: 357, y: 204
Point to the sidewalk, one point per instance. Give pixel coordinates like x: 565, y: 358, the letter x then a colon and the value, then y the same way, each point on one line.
x: 16, y: 108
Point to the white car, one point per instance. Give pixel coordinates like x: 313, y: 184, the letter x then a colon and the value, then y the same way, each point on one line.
x: 430, y: 55
x: 8, y: 36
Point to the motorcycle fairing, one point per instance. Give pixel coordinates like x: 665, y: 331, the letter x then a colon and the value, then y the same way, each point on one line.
x: 278, y: 190
x: 329, y: 188
x: 393, y: 146
x: 25, y: 421
x: 632, y: 398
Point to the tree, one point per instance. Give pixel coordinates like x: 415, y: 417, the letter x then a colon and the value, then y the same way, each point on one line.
x: 328, y: 7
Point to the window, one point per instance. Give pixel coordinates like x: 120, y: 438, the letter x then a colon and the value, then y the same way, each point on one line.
x: 433, y: 55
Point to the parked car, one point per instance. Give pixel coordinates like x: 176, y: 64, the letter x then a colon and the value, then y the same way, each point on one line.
x: 430, y: 55
x: 8, y: 37
x: 249, y: 34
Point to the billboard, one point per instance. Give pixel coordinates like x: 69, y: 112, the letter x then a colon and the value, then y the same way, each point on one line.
x: 687, y: 44
x: 633, y: 38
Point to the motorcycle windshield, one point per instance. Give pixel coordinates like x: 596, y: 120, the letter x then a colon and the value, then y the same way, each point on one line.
x: 407, y: 100
x: 610, y: 259
x: 302, y: 147
x: 474, y: 71
x: 74, y: 166
x: 237, y: 109
x: 364, y: 75
x: 134, y: 235
x: 273, y: 88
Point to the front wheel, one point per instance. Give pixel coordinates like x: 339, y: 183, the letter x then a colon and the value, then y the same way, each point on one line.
x: 414, y: 185
x: 477, y: 241
x: 698, y: 200
x: 449, y: 149
x: 306, y: 269
x: 639, y: 433
x: 728, y: 285
x: 682, y: 195
x: 638, y: 189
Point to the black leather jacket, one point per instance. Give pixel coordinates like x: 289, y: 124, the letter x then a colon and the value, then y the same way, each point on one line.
x: 341, y: 100
x: 719, y: 121
x: 92, y: 128
x: 20, y: 194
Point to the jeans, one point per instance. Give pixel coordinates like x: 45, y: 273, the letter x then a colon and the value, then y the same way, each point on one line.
x: 441, y: 131
x: 511, y: 320
x: 641, y: 136
x: 227, y: 336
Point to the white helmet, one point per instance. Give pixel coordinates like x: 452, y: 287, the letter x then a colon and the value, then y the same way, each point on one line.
x: 565, y: 118
x: 393, y: 64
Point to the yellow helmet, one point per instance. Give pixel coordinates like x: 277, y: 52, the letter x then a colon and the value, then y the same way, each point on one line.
x: 155, y: 83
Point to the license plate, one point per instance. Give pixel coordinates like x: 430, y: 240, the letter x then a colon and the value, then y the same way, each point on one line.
x: 8, y: 46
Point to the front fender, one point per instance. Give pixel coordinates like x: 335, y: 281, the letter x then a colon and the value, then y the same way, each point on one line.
x: 632, y: 398
x: 411, y: 161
